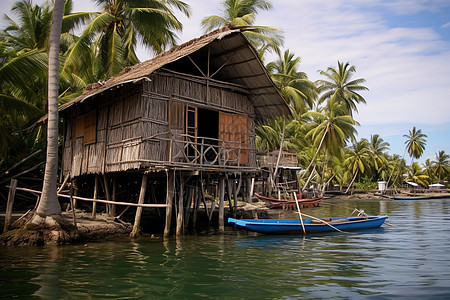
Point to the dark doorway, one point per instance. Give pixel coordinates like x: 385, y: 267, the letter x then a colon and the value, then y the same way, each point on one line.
x: 208, y: 130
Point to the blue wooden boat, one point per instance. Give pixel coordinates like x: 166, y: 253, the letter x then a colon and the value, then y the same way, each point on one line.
x: 311, y: 225
x: 411, y: 197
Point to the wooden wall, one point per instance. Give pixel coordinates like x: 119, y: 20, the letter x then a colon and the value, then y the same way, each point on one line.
x: 133, y: 123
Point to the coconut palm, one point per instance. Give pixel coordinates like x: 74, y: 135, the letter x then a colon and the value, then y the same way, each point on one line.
x: 49, y: 204
x: 415, y: 143
x: 298, y: 91
x: 332, y: 129
x: 441, y: 165
x: 117, y: 29
x: 243, y: 13
x: 417, y: 175
x: 358, y: 159
x: 378, y: 147
x: 341, y: 87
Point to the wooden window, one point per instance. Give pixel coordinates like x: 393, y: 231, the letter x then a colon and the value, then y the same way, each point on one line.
x: 90, y: 127
x: 234, y: 128
x: 177, y: 115
x: 86, y: 127
x: 79, y: 126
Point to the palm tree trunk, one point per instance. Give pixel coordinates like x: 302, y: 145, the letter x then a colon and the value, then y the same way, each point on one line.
x: 49, y: 204
x: 317, y: 152
x: 349, y: 186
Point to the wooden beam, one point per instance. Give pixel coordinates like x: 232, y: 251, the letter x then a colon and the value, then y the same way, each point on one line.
x: 98, y: 200
x: 137, y: 219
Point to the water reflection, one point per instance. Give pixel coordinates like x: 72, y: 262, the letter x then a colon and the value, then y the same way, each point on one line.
x: 409, y: 261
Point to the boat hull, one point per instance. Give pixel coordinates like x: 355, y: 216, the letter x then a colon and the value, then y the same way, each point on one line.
x: 271, y: 226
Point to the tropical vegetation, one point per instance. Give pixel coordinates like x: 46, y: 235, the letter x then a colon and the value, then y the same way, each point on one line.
x: 97, y: 45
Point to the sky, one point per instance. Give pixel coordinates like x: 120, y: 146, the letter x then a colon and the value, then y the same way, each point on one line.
x: 400, y: 47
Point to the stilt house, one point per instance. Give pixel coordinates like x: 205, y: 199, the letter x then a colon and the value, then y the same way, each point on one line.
x: 191, y: 109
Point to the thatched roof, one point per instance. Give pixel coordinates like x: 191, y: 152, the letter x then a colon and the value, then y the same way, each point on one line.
x: 230, y: 51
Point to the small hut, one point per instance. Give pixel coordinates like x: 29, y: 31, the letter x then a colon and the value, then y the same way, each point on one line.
x: 184, y: 120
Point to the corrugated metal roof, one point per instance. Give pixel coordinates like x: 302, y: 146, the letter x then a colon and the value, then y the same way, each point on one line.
x: 231, y: 54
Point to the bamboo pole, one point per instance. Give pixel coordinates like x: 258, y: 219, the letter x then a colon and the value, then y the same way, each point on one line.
x: 9, y: 204
x: 299, y: 213
x: 169, y: 202
x: 96, y: 200
x: 137, y: 218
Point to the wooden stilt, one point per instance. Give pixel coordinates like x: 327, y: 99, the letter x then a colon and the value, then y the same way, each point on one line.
x: 108, y: 196
x: 94, y: 204
x: 169, y: 202
x: 221, y: 204
x: 137, y: 220
x: 9, y: 204
x: 71, y: 204
x: 75, y: 192
x: 196, y: 205
x: 188, y: 208
x: 250, y: 184
x: 229, y: 184
x: 180, y: 217
x: 114, y: 197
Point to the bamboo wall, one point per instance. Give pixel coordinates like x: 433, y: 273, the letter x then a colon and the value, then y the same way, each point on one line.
x: 132, y: 123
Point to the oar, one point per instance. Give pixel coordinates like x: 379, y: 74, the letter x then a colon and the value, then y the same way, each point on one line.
x: 323, y: 222
x: 299, y: 212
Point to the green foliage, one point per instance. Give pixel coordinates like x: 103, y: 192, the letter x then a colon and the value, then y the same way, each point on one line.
x: 366, y: 183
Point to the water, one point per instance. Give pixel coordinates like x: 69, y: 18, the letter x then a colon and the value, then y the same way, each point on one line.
x: 408, y: 261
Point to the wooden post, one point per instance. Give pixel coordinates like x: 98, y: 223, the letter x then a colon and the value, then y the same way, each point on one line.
x: 190, y: 195
x: 180, y: 216
x: 108, y: 197
x: 9, y: 204
x: 71, y: 204
x: 221, y: 204
x: 75, y: 192
x: 137, y: 219
x: 169, y: 202
x: 196, y: 204
x: 250, y: 184
x: 94, y: 204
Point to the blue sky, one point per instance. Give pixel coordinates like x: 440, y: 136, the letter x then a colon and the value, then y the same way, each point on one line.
x: 401, y: 48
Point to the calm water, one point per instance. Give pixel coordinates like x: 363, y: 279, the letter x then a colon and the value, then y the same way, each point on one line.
x: 410, y: 260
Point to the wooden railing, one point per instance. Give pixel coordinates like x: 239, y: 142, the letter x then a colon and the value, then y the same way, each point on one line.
x: 206, y: 151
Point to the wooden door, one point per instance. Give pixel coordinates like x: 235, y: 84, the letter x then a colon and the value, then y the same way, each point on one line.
x: 233, y: 129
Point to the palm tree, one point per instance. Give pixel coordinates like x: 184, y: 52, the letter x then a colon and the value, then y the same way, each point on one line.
x: 243, y: 13
x: 333, y: 128
x: 441, y: 164
x: 340, y: 87
x: 116, y: 31
x: 358, y: 159
x: 49, y: 204
x: 298, y: 91
x: 417, y: 175
x: 378, y: 147
x: 415, y: 143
